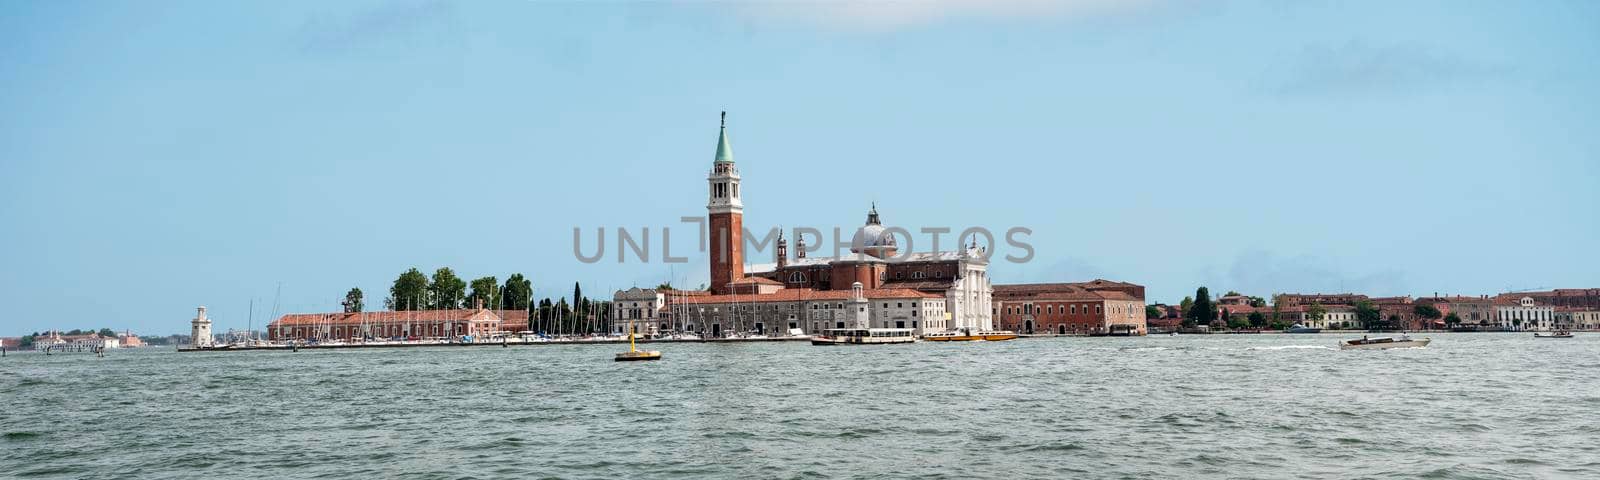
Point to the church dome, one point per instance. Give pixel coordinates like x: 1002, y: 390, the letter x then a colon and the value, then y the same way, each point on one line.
x: 873, y: 239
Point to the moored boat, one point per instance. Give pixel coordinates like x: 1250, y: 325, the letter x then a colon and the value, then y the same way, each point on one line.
x: 1298, y: 328
x: 1381, y: 343
x: 864, y: 336
x: 967, y: 335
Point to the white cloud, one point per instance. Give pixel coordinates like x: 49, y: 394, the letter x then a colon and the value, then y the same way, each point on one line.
x: 895, y: 15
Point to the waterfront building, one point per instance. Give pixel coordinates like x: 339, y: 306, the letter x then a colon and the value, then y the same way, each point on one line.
x: 1234, y: 300
x: 1586, y: 319
x: 1297, y: 299
x: 1474, y: 312
x: 778, y: 310
x: 129, y: 340
x: 1561, y: 297
x: 51, y: 339
x: 955, y: 282
x: 478, y: 322
x: 200, y: 330
x: 1097, y: 307
x: 1523, y: 314
x: 644, y: 308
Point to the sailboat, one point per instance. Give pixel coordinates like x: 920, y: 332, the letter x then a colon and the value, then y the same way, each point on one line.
x: 634, y: 353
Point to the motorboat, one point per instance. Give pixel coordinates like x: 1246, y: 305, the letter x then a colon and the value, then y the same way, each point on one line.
x: 1381, y: 343
x: 967, y: 335
x: 1298, y: 328
x: 1555, y: 334
x: 864, y: 336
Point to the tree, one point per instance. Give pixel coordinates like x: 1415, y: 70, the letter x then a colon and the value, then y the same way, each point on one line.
x: 1235, y: 322
x: 1152, y: 311
x: 446, y: 290
x: 1316, y: 312
x: 353, y: 301
x: 664, y: 286
x: 106, y: 332
x: 1201, y: 311
x: 1369, y: 317
x: 1427, y: 312
x: 1393, y: 322
x: 410, y: 291
x: 1258, y: 302
x: 1232, y: 293
x: 518, y: 293
x: 487, y: 290
x: 26, y: 342
x: 1452, y: 319
x: 1258, y: 320
x: 1183, y: 306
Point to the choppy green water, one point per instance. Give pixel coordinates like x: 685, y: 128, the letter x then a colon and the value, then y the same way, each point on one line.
x: 1265, y: 406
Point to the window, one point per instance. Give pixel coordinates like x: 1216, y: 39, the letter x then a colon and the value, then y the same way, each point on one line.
x: 917, y: 275
x: 938, y: 274
x: 899, y: 275
x: 797, y: 277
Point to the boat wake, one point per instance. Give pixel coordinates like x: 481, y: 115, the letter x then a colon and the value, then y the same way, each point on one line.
x: 1293, y: 347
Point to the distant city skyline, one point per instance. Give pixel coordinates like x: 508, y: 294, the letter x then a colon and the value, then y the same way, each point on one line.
x: 160, y: 156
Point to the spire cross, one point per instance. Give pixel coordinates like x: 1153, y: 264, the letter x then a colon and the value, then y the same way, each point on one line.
x: 724, y: 119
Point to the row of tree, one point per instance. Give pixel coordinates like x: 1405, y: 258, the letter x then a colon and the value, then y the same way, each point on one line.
x: 413, y: 290
x: 1200, y: 309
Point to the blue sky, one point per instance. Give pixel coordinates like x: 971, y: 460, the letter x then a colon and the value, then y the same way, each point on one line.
x: 155, y: 156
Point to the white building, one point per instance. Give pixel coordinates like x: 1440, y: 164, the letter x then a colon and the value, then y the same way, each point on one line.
x: 1525, y: 314
x: 1585, y: 320
x: 641, y: 307
x: 200, y: 330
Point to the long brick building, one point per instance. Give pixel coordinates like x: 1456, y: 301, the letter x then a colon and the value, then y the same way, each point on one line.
x: 1099, y: 307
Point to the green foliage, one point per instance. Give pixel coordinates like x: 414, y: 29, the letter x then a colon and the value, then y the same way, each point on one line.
x: 1452, y: 319
x: 353, y: 301
x: 1183, y: 306
x: 518, y: 292
x: 410, y: 291
x: 1201, y: 311
x: 1258, y: 320
x: 1237, y: 323
x: 1278, y: 325
x: 1232, y: 293
x: 1316, y: 312
x: 664, y: 286
x: 486, y: 289
x: 26, y: 341
x: 1426, y: 311
x: 446, y: 291
x: 1152, y: 311
x: 1368, y: 316
x: 1258, y: 302
x: 106, y: 332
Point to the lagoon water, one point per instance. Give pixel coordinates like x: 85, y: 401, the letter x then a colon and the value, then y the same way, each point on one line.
x: 1471, y: 406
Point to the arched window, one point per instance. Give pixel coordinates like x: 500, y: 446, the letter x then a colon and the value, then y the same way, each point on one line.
x: 917, y: 275
x: 797, y: 277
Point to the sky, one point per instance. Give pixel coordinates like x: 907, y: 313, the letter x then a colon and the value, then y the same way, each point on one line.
x: 157, y: 156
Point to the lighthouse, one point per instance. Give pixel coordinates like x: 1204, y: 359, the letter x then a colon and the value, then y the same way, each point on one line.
x: 200, y: 330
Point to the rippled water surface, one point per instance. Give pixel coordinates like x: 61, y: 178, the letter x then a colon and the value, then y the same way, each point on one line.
x: 1222, y: 406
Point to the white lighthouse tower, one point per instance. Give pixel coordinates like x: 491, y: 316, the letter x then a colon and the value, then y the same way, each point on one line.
x: 200, y: 331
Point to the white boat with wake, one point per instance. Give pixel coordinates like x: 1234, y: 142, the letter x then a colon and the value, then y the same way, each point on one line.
x: 1382, y: 343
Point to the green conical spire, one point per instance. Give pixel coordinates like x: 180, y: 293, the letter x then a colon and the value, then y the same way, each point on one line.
x: 724, y: 150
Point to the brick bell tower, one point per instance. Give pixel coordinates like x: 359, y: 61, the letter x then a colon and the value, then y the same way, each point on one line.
x: 727, y: 216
